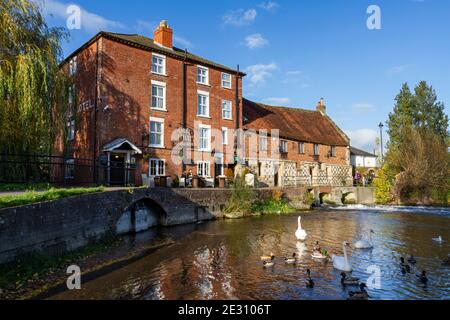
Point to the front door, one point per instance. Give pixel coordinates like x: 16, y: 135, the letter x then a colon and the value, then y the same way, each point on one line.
x: 117, y: 169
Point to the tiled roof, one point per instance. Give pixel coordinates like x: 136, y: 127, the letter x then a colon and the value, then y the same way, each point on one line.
x: 294, y: 124
x: 358, y: 152
x: 146, y: 43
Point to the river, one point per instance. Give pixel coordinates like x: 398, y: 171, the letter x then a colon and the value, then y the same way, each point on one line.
x: 221, y: 259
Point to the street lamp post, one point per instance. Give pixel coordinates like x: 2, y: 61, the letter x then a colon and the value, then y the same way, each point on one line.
x: 381, y: 126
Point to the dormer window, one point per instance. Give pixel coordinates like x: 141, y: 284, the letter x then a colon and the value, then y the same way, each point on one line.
x: 202, y: 75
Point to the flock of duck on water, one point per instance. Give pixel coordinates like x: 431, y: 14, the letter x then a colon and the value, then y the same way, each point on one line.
x: 343, y: 264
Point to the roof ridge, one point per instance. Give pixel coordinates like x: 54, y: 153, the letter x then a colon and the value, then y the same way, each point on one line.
x: 281, y: 107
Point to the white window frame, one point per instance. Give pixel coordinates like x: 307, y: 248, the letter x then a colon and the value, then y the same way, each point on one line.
x: 263, y: 146
x: 224, y: 82
x: 163, y: 65
x: 73, y: 66
x: 71, y: 132
x: 157, y: 167
x: 316, y: 150
x: 161, y: 121
x: 204, y: 169
x: 231, y: 110
x: 200, y: 129
x: 301, y: 148
x: 333, y: 151
x: 283, y: 144
x: 206, y: 82
x: 204, y: 94
x: 163, y: 86
x: 225, y: 136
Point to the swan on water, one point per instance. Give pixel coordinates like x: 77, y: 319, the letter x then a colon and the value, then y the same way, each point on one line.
x: 438, y: 239
x: 342, y: 263
x: 365, y: 243
x: 300, y: 234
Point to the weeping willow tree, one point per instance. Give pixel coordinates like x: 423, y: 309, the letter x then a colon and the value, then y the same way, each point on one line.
x: 33, y: 90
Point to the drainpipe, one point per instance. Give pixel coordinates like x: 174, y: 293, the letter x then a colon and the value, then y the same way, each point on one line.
x: 97, y: 67
x: 237, y: 103
x: 184, y: 123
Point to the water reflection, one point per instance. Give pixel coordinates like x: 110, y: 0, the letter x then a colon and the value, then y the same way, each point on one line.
x: 221, y: 260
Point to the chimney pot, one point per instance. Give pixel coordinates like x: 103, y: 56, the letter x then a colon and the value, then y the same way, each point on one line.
x: 321, y: 107
x: 163, y: 35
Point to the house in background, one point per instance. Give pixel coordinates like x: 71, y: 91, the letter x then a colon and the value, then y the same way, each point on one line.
x: 363, y: 159
x: 313, y: 151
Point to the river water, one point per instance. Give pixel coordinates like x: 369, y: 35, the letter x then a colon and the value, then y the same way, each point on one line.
x: 221, y: 259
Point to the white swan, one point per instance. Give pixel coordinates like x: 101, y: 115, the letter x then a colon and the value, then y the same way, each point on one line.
x: 438, y: 239
x: 300, y: 233
x: 365, y: 243
x: 342, y: 263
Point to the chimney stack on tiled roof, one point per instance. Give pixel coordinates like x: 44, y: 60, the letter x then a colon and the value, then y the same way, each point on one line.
x: 321, y: 107
x: 163, y: 34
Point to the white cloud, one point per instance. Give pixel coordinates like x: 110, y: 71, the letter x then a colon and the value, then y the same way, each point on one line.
x: 269, y: 5
x: 363, y: 138
x: 294, y: 73
x: 277, y: 100
x: 147, y: 28
x: 398, y: 69
x: 239, y: 17
x: 258, y: 73
x: 90, y: 22
x: 182, y: 42
x: 363, y: 108
x: 255, y: 41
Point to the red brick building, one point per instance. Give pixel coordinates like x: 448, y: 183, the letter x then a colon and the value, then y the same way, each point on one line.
x: 132, y: 93
x: 141, y: 103
x: 309, y: 149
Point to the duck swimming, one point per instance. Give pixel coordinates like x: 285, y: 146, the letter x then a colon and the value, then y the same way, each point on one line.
x: 268, y: 264
x: 309, y: 280
x: 438, y: 239
x: 291, y: 260
x: 348, y: 281
x: 412, y: 260
x: 359, y: 295
x: 318, y: 252
x: 423, y: 277
x: 446, y: 262
x: 404, y: 266
x: 267, y: 258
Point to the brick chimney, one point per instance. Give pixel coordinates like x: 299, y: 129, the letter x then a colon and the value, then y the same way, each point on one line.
x: 163, y: 34
x: 321, y: 107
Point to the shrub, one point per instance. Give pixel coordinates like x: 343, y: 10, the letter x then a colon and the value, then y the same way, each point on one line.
x: 384, y: 186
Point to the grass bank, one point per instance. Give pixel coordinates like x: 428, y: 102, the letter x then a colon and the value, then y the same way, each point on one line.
x: 16, y: 274
x: 8, y: 187
x: 31, y: 197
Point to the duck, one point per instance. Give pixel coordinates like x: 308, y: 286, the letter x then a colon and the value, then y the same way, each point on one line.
x: 412, y: 260
x: 267, y: 258
x: 365, y: 243
x: 423, y: 277
x: 309, y: 280
x: 447, y: 261
x: 318, y: 252
x: 438, y: 239
x: 268, y: 264
x: 359, y: 295
x: 291, y: 260
x: 404, y: 266
x: 348, y: 281
x: 342, y: 263
x: 300, y: 234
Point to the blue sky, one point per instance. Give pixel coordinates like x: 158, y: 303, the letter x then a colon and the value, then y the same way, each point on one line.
x: 297, y: 51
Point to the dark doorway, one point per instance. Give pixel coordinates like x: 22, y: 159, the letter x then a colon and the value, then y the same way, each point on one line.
x: 117, y: 169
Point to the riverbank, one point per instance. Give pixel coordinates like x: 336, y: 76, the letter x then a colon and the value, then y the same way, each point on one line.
x: 35, y: 277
